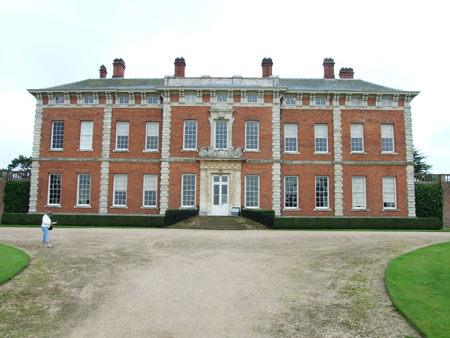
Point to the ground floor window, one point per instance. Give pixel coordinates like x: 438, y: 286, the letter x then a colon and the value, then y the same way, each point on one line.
x: 389, y: 192
x: 150, y: 190
x: 322, y: 192
x: 120, y: 189
x: 252, y: 191
x: 291, y: 192
x: 54, y: 189
x: 188, y: 190
x: 84, y: 190
x: 358, y: 192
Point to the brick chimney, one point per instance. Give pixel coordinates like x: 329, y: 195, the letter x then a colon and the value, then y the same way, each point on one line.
x: 180, y: 65
x: 103, y: 72
x: 328, y: 68
x: 119, y: 68
x: 267, y: 64
x: 346, y: 73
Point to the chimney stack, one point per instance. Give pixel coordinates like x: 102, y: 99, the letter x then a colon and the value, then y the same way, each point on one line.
x: 103, y: 72
x: 267, y: 64
x: 328, y: 68
x: 119, y: 68
x: 180, y: 65
x: 346, y: 73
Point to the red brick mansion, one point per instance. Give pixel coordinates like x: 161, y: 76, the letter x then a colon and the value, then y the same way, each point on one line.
x: 301, y: 147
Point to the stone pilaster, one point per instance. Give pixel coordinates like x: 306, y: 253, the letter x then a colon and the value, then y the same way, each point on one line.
x: 34, y: 183
x: 338, y: 170
x: 410, y: 158
x: 276, y: 155
x: 410, y: 188
x: 106, y: 148
x: 165, y: 154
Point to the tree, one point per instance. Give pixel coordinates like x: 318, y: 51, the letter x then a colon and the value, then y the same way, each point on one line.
x: 21, y: 164
x: 420, y: 166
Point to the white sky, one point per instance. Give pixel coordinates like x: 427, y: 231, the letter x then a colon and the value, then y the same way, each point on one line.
x: 399, y: 44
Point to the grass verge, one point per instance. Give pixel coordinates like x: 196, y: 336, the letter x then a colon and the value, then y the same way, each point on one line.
x: 419, y: 286
x: 12, y: 261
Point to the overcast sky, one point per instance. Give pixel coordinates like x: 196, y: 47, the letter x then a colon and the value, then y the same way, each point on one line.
x: 399, y: 44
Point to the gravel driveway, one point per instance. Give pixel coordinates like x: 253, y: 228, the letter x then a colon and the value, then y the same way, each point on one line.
x: 198, y: 283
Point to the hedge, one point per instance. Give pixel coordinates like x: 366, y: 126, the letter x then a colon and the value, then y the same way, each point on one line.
x: 264, y: 217
x: 173, y: 216
x: 394, y: 223
x: 16, y: 196
x: 429, y: 201
x: 87, y: 220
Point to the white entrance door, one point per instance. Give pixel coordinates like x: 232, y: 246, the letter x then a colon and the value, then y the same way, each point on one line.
x: 220, y: 204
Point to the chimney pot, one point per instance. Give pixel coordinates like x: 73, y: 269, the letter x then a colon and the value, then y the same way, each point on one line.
x: 346, y: 73
x: 267, y: 64
x: 103, y: 72
x: 328, y: 68
x: 119, y: 68
x: 180, y: 66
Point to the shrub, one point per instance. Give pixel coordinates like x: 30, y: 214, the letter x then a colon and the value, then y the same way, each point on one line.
x: 16, y: 196
x: 429, y: 200
x: 264, y: 217
x: 397, y: 223
x: 173, y: 216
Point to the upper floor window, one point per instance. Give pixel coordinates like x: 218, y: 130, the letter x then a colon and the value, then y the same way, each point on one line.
x: 290, y: 101
x: 320, y: 101
x: 150, y: 190
x: 86, y: 133
x: 190, y: 98
x: 252, y: 98
x: 124, y: 99
x: 120, y: 189
x: 222, y: 98
x: 321, y: 138
x: 221, y: 134
x: 152, y: 100
x: 59, y: 99
x: 152, y: 133
x: 88, y: 99
x: 290, y: 137
x: 357, y: 137
x: 57, y: 135
x: 122, y: 132
x: 190, y: 135
x: 84, y: 190
x: 358, y: 192
x: 322, y: 192
x: 252, y: 191
x: 387, y: 138
x: 251, y: 135
x: 389, y: 192
x: 386, y: 102
x: 356, y: 101
x: 54, y: 189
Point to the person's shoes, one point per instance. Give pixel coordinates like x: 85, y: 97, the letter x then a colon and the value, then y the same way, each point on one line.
x: 42, y: 246
x: 49, y: 246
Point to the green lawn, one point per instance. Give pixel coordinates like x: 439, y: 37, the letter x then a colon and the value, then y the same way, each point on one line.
x: 12, y: 261
x: 419, y: 286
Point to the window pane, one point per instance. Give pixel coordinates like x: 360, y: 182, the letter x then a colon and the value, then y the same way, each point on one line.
x: 84, y: 189
x: 321, y: 191
x: 152, y: 100
x: 120, y: 189
x: 252, y: 98
x: 54, y: 189
x: 86, y: 132
x: 320, y: 101
x: 88, y: 99
x: 321, y: 137
x: 190, y: 134
x: 290, y: 137
x: 122, y: 135
x: 290, y: 192
x: 124, y: 99
x: 356, y: 131
x: 221, y: 134
x: 358, y: 192
x: 251, y: 135
x: 152, y: 136
x: 290, y: 101
x: 59, y: 99
x: 191, y: 98
x: 57, y: 134
x: 252, y: 191
x: 188, y: 191
x: 356, y: 101
x: 150, y: 190
x: 389, y: 193
x: 222, y: 98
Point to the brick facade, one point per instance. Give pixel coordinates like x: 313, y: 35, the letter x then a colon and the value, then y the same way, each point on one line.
x: 221, y: 107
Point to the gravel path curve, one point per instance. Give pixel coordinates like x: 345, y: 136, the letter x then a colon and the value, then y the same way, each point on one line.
x: 197, y: 283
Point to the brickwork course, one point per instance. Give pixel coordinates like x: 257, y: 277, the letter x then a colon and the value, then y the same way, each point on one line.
x: 221, y: 109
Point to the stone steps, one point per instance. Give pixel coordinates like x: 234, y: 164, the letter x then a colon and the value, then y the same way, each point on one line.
x: 218, y: 223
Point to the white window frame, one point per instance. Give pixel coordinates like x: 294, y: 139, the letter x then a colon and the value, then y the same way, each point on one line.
x: 222, y: 98
x: 393, y: 179
x: 362, y: 193
x: 247, y: 123
x: 383, y: 127
x: 386, y: 102
x: 88, y: 99
x: 246, y: 190
x: 321, y: 101
x: 190, y: 98
x: 327, y: 207
x: 317, y: 132
x: 78, y: 190
x: 252, y: 98
x: 227, y: 123
x: 116, y: 176
x: 183, y: 205
x: 59, y: 99
x: 290, y: 101
x: 152, y: 99
x: 52, y: 146
x: 49, y: 189
x: 127, y: 135
x: 284, y: 194
x: 184, y: 135
x: 147, y: 127
x: 286, y: 127
x: 353, y: 132
x: 86, y: 135
x: 124, y: 100
x: 154, y: 177
x: 356, y: 101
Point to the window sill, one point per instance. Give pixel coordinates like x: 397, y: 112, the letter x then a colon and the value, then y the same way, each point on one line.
x: 52, y: 206
x: 85, y: 150
x: 322, y: 209
x: 358, y: 153
x: 121, y: 151
x: 252, y: 151
x: 321, y: 153
x: 389, y: 153
x: 386, y: 209
x: 150, y: 151
x: 292, y: 209
x: 189, y: 150
x: 82, y: 206
x: 362, y: 209
x: 149, y: 207
x: 118, y: 207
x: 291, y: 153
x: 188, y: 207
x: 253, y: 208
x: 56, y: 149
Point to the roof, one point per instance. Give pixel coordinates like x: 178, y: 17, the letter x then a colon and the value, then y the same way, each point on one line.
x: 332, y: 85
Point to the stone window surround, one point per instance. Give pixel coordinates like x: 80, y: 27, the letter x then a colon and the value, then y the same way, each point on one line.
x: 221, y: 113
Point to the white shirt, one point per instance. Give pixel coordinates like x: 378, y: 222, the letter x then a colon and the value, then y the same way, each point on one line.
x: 46, y: 221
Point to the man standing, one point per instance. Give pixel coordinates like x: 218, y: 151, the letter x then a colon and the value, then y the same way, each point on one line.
x: 46, y: 223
